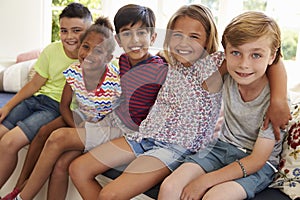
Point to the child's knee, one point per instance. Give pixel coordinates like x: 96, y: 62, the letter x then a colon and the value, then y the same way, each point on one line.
x: 3, y: 130
x: 9, y: 144
x: 78, y: 170
x: 108, y: 194
x: 167, y: 187
x: 57, y: 138
x: 75, y: 170
x: 61, y: 167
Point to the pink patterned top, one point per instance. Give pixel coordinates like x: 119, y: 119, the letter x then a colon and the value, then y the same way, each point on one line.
x: 184, y: 113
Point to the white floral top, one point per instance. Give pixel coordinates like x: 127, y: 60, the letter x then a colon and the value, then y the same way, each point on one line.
x: 184, y: 113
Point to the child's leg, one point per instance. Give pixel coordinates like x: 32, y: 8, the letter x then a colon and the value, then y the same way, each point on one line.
x: 173, y: 185
x: 36, y: 147
x: 226, y: 191
x: 3, y: 130
x: 85, y: 168
x: 141, y: 174
x: 10, y: 144
x: 60, y: 141
x: 59, y: 179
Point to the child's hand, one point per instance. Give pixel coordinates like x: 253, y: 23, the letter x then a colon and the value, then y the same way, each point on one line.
x: 279, y: 115
x: 3, y: 113
x: 195, y: 189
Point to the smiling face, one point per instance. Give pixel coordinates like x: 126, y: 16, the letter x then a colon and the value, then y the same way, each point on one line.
x: 71, y: 30
x: 247, y: 63
x: 92, y: 52
x: 187, y: 40
x: 135, y: 40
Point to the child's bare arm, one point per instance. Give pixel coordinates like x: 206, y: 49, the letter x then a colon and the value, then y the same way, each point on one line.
x: 278, y: 112
x: 215, y: 82
x: 64, y: 107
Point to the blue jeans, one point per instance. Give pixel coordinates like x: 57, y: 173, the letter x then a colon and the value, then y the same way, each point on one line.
x: 172, y: 155
x: 31, y: 114
x: 221, y: 154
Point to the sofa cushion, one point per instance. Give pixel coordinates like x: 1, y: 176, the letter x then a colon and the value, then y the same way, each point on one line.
x: 288, y: 177
x: 5, y: 97
x: 30, y: 55
x: 16, y: 76
x: 2, y: 68
x: 271, y: 194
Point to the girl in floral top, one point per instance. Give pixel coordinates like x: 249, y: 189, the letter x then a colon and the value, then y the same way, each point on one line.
x: 180, y: 122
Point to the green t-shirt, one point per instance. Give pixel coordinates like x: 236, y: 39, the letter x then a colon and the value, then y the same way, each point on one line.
x: 51, y: 64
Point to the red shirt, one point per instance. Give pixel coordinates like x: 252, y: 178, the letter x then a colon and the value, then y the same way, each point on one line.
x: 140, y: 85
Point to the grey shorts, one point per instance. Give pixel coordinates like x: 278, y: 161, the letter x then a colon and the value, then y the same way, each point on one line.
x: 221, y: 154
x: 31, y: 114
x: 171, y: 155
x: 110, y: 127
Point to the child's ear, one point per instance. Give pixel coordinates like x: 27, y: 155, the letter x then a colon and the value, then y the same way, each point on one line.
x: 272, y: 58
x: 153, y: 38
x: 117, y: 38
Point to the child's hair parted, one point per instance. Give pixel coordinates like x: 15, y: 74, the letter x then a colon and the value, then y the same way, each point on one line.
x: 204, y: 16
x: 131, y: 14
x: 76, y: 10
x: 103, y: 26
x: 250, y: 26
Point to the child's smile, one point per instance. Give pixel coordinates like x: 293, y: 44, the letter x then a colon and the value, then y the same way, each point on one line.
x: 188, y: 38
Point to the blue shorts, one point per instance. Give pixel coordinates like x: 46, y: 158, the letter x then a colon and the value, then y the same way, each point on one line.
x: 221, y: 154
x: 31, y: 114
x: 171, y: 155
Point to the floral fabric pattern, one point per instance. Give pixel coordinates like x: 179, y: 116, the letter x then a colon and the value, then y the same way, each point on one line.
x: 184, y: 112
x: 288, y: 176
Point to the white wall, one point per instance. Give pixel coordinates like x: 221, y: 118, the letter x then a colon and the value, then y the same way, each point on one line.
x: 25, y: 25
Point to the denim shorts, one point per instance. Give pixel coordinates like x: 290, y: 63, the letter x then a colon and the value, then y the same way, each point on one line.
x: 31, y: 114
x: 221, y: 154
x: 171, y: 155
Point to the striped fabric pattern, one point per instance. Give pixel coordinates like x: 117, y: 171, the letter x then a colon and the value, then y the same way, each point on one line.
x: 140, y: 85
x: 97, y: 103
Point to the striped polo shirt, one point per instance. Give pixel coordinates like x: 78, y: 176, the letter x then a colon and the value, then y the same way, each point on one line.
x: 140, y: 84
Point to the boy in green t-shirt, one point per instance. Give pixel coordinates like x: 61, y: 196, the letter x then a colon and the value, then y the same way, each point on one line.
x: 37, y: 103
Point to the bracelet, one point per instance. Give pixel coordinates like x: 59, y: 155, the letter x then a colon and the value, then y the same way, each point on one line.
x: 243, y: 168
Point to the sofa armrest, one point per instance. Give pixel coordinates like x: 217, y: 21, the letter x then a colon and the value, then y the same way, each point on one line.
x: 16, y: 76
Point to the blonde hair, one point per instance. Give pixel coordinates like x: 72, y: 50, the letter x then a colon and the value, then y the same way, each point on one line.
x: 250, y: 26
x: 204, y: 16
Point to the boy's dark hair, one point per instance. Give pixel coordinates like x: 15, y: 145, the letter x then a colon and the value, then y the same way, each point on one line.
x: 131, y: 14
x: 76, y: 10
x: 104, y: 21
x: 102, y: 26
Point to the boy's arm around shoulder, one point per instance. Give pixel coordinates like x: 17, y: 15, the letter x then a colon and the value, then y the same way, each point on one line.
x: 26, y: 91
x: 214, y: 83
x: 278, y: 112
